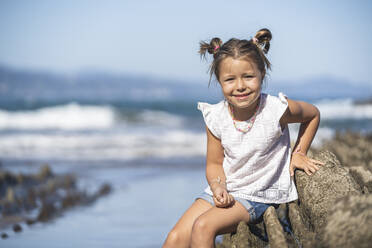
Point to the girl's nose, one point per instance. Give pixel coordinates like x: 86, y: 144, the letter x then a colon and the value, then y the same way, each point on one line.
x: 240, y: 84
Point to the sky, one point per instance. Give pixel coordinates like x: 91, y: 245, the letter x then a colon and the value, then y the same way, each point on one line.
x: 161, y: 38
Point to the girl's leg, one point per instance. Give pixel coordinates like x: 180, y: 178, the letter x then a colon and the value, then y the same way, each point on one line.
x: 217, y: 221
x: 180, y: 235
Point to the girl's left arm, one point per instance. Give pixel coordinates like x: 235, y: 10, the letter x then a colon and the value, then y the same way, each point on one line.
x: 309, y: 116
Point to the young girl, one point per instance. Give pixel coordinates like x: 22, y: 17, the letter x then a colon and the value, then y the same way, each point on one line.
x: 249, y: 161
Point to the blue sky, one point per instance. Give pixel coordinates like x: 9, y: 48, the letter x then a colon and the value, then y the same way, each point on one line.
x: 310, y: 38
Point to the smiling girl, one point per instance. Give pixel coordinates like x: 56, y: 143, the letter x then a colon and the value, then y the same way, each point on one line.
x: 250, y: 164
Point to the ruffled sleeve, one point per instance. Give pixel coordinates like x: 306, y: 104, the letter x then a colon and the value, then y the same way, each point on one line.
x: 281, y: 107
x: 210, y: 118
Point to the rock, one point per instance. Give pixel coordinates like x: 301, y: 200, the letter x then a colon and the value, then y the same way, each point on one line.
x: 317, y: 193
x: 50, y: 194
x: 104, y: 189
x: 274, y: 229
x: 4, y: 236
x: 46, y: 213
x: 362, y: 176
x: 30, y: 221
x: 306, y: 238
x: 17, y: 228
x: 349, y: 223
x: 245, y: 236
x: 45, y: 172
x: 10, y: 197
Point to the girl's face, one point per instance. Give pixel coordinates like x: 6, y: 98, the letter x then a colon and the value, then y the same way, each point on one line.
x: 240, y: 81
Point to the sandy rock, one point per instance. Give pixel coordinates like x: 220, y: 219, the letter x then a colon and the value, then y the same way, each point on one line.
x: 349, y: 223
x: 305, y: 237
x: 245, y: 236
x: 317, y: 193
x: 274, y: 229
x: 363, y: 177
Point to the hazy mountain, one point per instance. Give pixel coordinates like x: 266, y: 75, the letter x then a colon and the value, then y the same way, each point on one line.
x: 92, y: 86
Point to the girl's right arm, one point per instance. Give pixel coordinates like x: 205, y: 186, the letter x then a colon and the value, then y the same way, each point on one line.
x: 214, y: 171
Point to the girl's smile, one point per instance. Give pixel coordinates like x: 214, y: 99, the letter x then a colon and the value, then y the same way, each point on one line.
x: 241, y: 85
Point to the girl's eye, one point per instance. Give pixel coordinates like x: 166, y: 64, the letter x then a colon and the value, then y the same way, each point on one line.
x: 248, y: 76
x: 229, y: 79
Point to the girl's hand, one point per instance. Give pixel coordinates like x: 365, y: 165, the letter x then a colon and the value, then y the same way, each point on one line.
x: 221, y: 197
x: 301, y: 161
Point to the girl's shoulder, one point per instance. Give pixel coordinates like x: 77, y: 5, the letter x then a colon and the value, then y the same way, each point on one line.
x: 213, y: 115
x: 280, y: 99
x: 215, y: 108
x: 276, y: 105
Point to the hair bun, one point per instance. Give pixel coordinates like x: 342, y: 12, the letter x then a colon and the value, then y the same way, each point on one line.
x: 212, y: 47
x: 262, y: 39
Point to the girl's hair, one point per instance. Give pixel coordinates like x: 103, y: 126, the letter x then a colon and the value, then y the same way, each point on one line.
x: 253, y: 50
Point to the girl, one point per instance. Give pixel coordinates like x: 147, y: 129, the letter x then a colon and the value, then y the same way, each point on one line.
x: 249, y: 161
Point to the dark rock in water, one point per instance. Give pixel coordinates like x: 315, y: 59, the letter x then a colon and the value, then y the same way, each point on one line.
x: 349, y: 223
x: 317, y: 193
x: 104, y: 190
x: 4, y: 236
x: 45, y: 172
x: 46, y: 193
x: 46, y: 213
x: 17, y: 228
x: 70, y: 200
x: 30, y: 221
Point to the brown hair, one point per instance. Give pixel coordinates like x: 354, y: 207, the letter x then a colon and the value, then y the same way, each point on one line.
x: 253, y: 49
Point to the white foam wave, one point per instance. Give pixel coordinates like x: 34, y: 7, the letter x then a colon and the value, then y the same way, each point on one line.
x: 80, y: 117
x: 343, y: 109
x: 67, y: 117
x: 98, y: 146
x: 123, y: 145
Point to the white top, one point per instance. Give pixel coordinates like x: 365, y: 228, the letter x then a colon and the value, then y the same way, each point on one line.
x: 256, y: 163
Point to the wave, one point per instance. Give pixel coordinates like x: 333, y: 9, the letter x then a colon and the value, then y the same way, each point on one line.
x: 74, y: 116
x: 123, y: 145
x: 108, y: 145
x: 343, y: 109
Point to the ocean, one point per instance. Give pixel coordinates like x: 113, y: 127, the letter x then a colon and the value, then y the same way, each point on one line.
x: 152, y: 153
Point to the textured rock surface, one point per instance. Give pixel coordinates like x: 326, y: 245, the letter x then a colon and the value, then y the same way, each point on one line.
x: 363, y: 177
x: 274, y: 229
x: 306, y: 238
x: 317, y: 193
x: 349, y: 223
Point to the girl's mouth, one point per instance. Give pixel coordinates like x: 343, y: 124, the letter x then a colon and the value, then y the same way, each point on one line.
x: 242, y: 96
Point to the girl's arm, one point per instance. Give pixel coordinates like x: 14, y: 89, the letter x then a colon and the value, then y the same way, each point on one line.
x: 214, y: 171
x: 309, y: 117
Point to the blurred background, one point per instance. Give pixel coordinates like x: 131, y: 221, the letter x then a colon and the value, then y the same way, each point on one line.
x: 108, y: 90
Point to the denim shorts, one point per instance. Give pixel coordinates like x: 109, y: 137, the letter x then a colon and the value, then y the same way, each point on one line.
x: 255, y: 209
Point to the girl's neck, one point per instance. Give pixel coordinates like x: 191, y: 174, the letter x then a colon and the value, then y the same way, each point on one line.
x: 243, y: 114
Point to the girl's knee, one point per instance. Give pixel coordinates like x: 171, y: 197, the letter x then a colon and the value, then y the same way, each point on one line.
x: 176, y: 238
x: 201, y: 228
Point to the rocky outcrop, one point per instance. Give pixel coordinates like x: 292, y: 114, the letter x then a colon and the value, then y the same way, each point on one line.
x: 334, y: 208
x: 46, y: 194
x: 348, y: 223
